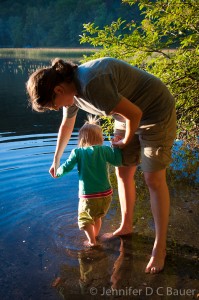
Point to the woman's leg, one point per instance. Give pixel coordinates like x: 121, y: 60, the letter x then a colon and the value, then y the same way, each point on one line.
x: 126, y: 191
x: 160, y: 204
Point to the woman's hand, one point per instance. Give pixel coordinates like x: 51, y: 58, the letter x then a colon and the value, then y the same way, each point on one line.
x: 133, y: 114
x: 53, y: 168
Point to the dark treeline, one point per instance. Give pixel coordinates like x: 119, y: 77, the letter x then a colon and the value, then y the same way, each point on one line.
x: 44, y: 23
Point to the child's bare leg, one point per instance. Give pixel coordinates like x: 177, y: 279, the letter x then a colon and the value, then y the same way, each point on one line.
x: 97, y: 226
x: 90, y: 233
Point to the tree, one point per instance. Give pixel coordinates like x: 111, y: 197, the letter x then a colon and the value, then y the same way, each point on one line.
x: 16, y: 27
x: 5, y: 38
x: 48, y: 23
x: 165, y: 44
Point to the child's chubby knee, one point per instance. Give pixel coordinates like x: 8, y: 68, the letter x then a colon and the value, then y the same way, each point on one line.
x: 84, y: 219
x: 84, y: 225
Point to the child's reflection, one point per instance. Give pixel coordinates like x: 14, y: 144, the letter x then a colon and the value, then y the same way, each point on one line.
x: 101, y: 267
x: 94, y: 271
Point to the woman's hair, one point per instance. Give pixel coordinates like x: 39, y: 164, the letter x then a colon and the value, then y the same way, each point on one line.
x: 90, y: 133
x: 41, y: 83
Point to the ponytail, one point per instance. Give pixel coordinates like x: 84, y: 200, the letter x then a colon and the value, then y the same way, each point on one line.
x: 63, y: 69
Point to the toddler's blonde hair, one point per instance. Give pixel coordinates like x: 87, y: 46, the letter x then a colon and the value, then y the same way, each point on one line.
x: 90, y: 133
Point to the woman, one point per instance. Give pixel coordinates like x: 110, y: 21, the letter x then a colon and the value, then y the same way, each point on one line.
x: 145, y: 126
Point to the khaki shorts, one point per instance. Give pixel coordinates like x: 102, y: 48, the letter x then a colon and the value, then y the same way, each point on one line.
x: 91, y: 208
x: 151, y: 144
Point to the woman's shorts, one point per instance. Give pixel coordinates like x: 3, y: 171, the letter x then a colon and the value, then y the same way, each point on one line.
x: 151, y: 144
x: 91, y: 208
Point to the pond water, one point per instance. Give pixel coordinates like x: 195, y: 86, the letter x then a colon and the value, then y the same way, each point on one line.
x: 40, y: 243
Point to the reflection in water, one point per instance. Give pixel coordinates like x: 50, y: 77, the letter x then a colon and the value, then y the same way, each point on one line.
x: 15, y: 114
x: 123, y: 267
x: 116, y: 269
x: 89, y: 262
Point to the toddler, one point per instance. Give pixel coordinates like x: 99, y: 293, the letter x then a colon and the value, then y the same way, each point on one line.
x: 95, y: 192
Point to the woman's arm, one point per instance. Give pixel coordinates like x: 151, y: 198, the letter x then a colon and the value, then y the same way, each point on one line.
x: 64, y: 134
x: 133, y: 114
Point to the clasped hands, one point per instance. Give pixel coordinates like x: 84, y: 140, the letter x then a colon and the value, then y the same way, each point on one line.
x: 118, y: 142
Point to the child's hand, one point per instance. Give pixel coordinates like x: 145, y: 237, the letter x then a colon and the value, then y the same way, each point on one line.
x: 116, y: 139
x: 117, y: 142
x: 53, y: 169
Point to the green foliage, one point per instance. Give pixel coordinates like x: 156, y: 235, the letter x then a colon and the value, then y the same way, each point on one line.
x: 165, y: 44
x: 107, y: 126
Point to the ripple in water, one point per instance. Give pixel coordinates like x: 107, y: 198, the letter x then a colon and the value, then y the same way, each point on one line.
x: 38, y: 214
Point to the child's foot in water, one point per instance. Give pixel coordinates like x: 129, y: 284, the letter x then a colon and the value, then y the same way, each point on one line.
x: 90, y: 245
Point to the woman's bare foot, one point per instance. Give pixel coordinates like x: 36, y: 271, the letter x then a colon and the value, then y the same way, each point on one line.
x: 123, y: 231
x: 156, y: 262
x: 107, y: 236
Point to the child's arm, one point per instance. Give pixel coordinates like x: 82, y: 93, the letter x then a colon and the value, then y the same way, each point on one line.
x: 114, y: 156
x: 68, y: 165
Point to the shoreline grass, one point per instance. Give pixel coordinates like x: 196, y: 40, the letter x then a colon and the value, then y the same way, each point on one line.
x: 45, y: 53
